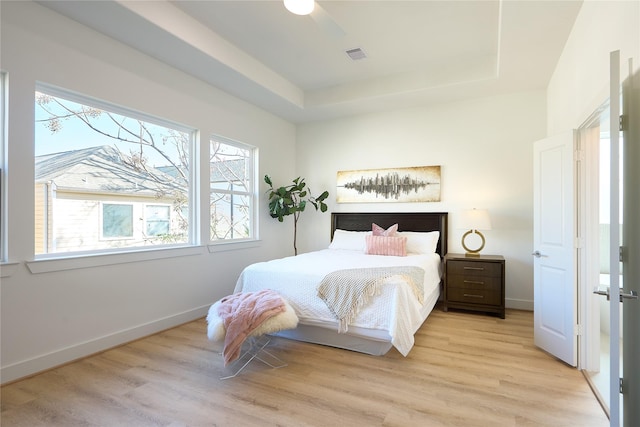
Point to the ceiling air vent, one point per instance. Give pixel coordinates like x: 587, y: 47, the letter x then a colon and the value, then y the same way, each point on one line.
x: 356, y: 54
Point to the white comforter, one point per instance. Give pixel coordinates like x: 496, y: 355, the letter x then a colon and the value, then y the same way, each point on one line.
x: 296, y: 278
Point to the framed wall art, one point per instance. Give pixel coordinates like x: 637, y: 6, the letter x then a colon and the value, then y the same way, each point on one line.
x: 411, y: 184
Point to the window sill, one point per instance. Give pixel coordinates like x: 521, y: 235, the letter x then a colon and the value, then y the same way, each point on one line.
x: 8, y: 268
x: 87, y: 261
x: 232, y: 246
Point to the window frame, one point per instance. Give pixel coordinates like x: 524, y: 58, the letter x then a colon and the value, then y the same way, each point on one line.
x: 146, y: 217
x: 193, y: 239
x: 251, y: 194
x: 101, y: 222
x: 199, y: 226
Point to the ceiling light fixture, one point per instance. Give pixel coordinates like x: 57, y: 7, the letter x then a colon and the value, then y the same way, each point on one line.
x: 299, y: 7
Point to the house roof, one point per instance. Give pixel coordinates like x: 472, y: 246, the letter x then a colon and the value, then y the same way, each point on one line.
x: 227, y: 171
x: 102, y: 169
x: 224, y: 171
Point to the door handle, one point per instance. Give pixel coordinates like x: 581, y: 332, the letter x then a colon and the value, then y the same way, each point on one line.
x: 623, y: 295
x: 538, y: 254
x: 597, y: 291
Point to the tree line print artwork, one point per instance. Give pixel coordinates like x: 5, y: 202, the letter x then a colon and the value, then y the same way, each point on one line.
x: 410, y: 184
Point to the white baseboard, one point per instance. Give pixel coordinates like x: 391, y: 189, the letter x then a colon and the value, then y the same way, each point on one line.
x: 519, y: 304
x: 47, y: 361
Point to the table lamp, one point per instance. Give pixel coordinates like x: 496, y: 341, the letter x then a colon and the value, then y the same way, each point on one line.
x: 474, y: 220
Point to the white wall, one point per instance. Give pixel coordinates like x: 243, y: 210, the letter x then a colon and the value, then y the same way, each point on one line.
x: 51, y: 318
x: 484, y: 147
x: 580, y: 82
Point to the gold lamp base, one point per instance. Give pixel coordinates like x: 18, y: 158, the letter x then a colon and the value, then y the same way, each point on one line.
x: 472, y: 252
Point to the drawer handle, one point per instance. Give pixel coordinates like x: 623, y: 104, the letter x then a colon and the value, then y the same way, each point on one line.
x: 473, y: 296
x: 474, y: 268
x: 474, y: 282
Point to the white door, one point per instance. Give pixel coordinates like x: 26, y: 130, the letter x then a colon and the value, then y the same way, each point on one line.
x: 631, y: 253
x: 554, y: 262
x: 625, y: 246
x: 614, y: 241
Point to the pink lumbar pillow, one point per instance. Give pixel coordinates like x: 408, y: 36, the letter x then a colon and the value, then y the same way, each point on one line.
x: 379, y: 231
x: 385, y: 245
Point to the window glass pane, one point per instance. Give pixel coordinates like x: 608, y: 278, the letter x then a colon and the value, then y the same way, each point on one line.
x: 91, y: 154
x: 230, y: 168
x: 230, y: 216
x: 157, y: 220
x: 117, y: 220
x: 231, y: 184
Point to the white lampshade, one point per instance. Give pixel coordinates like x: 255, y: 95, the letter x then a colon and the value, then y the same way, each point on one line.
x: 299, y: 7
x: 475, y: 219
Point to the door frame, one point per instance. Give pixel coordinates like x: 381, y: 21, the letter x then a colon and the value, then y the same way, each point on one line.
x: 588, y: 231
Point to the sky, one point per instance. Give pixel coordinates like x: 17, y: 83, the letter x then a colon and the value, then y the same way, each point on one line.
x: 73, y: 134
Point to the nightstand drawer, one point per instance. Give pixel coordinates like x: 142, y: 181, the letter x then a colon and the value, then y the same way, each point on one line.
x: 475, y: 296
x: 474, y: 282
x: 474, y: 268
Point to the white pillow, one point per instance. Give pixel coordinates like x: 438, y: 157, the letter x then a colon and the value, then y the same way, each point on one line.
x: 421, y: 242
x: 349, y: 240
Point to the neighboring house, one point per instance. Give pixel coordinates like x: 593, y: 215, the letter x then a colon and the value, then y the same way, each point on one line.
x: 228, y: 174
x: 90, y: 199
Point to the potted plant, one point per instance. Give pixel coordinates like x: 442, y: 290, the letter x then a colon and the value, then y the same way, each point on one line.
x: 292, y: 200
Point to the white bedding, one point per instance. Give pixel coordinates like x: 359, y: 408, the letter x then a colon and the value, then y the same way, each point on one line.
x: 395, y: 311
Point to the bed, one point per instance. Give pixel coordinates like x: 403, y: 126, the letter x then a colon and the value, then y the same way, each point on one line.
x: 387, y: 319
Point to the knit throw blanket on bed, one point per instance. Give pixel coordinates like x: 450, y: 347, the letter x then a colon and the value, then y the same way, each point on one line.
x: 346, y: 291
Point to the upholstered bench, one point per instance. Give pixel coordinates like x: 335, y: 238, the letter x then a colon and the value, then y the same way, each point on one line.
x: 252, y: 339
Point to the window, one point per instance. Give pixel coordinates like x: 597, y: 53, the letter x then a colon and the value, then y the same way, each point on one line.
x: 108, y: 178
x: 232, y: 198
x: 117, y: 221
x: 158, y: 220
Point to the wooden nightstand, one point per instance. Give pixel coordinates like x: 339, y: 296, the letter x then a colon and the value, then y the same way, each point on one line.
x: 474, y: 283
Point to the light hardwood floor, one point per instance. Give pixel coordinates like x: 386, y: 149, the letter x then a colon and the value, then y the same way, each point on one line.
x: 465, y: 370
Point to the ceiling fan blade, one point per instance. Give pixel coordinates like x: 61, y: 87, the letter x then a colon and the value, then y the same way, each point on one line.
x: 326, y: 22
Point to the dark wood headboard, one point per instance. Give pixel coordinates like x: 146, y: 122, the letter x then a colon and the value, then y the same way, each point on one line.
x: 407, y: 221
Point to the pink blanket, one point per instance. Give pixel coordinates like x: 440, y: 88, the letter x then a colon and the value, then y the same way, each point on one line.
x: 242, y: 313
